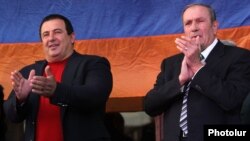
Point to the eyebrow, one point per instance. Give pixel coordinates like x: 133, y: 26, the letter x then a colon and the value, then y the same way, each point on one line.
x: 56, y: 29
x: 199, y: 18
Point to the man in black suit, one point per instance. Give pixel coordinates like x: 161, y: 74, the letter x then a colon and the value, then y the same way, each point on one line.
x: 219, y: 81
x: 63, y: 97
x: 2, y: 117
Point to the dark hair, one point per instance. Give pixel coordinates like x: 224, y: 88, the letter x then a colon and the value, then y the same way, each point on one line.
x: 210, y: 10
x: 68, y: 25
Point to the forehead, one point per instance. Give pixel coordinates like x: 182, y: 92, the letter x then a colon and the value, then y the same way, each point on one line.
x: 195, y: 12
x: 53, y: 24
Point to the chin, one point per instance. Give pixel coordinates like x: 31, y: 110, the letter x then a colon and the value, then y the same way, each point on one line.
x: 53, y: 53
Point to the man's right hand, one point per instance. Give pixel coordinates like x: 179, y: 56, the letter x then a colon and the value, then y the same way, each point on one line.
x: 20, y: 85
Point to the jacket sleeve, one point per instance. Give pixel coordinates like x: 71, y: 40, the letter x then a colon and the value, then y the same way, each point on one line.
x: 228, y: 83
x: 165, y: 92
x: 90, y: 87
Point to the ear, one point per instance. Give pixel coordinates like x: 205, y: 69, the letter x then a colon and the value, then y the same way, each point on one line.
x: 73, y: 37
x: 215, y: 26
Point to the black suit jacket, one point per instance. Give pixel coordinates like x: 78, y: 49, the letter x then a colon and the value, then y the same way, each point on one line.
x: 82, y: 94
x: 215, y: 96
x: 2, y: 116
x: 245, y: 110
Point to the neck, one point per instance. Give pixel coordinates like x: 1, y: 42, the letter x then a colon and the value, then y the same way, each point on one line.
x: 58, y: 58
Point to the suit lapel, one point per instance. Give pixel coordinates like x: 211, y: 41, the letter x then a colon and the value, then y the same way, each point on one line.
x: 215, y: 54
x: 70, y: 69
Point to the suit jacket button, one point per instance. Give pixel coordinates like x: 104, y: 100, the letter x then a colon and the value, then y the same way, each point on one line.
x: 198, y: 87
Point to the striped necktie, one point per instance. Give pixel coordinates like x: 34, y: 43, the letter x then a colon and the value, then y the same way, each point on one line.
x: 183, y: 117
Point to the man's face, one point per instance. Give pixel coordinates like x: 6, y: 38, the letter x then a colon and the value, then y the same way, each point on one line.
x: 57, y: 44
x: 197, y: 22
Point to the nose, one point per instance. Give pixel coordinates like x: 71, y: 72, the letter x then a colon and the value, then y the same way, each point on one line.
x: 51, y: 37
x: 194, y: 27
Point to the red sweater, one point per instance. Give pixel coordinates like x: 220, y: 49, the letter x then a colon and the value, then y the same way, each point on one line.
x: 49, y: 124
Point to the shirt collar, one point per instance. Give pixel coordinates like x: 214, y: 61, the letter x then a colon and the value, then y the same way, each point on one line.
x: 206, y: 52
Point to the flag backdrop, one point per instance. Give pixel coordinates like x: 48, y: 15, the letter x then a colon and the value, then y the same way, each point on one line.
x: 135, y: 35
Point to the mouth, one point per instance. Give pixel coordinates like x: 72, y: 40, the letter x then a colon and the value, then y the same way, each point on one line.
x: 195, y: 36
x: 53, y: 46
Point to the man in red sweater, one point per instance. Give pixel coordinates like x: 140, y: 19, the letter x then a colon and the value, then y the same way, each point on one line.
x: 63, y: 97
